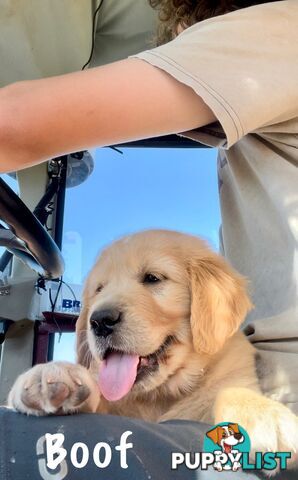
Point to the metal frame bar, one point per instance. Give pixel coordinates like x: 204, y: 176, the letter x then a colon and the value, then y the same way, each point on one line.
x: 166, y: 141
x: 60, y: 204
x: 44, y: 334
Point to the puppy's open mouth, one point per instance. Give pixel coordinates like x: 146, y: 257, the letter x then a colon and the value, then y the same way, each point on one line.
x: 227, y: 447
x: 120, y: 371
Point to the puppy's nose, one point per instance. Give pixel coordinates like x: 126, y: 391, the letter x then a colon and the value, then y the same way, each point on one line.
x: 237, y: 436
x: 103, y: 321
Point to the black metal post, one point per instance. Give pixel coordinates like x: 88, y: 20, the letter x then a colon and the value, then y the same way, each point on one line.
x: 58, y: 231
x: 60, y: 204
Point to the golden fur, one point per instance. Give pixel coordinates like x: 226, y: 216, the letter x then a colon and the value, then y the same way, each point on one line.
x: 207, y: 371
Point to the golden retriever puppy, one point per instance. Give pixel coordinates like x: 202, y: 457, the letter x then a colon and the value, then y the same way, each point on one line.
x: 158, y: 338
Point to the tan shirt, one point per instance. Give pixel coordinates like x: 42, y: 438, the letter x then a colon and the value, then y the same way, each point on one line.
x: 245, y: 67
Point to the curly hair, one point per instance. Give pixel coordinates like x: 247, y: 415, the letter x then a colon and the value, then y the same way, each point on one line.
x: 184, y: 13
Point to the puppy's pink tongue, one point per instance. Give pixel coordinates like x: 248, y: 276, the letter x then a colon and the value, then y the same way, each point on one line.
x: 117, y: 375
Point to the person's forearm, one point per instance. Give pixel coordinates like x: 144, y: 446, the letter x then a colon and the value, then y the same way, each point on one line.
x: 120, y: 102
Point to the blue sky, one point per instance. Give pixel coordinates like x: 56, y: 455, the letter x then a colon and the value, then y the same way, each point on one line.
x: 143, y: 188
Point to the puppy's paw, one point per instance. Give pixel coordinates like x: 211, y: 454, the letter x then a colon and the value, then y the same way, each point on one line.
x: 55, y: 387
x: 217, y: 466
x: 271, y: 426
x: 278, y: 432
x: 236, y: 466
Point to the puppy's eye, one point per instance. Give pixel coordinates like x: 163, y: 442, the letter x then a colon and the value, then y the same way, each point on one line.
x: 151, y: 278
x: 99, y: 288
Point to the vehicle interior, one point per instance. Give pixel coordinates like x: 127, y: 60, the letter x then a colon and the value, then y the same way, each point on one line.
x: 40, y: 282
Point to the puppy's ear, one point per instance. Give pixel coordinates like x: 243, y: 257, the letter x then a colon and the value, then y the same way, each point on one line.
x: 213, y: 434
x: 219, y: 302
x: 234, y: 427
x: 82, y: 348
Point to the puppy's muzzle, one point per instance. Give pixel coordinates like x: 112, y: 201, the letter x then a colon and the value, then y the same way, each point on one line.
x: 103, y: 321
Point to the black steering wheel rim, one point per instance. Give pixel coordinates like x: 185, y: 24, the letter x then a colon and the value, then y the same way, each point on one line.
x: 26, y: 237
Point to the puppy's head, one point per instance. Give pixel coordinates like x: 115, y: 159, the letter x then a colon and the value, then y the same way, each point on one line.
x: 226, y: 436
x: 152, y: 301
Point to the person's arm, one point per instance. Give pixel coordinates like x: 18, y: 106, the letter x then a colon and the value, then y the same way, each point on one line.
x: 119, y: 102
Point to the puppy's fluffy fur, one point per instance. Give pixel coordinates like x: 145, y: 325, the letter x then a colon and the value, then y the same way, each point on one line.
x: 199, y: 302
x: 206, y: 368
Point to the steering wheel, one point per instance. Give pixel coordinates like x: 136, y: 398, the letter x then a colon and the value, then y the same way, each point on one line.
x: 26, y: 238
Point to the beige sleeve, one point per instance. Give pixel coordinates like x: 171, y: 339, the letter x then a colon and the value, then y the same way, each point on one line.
x: 243, y: 65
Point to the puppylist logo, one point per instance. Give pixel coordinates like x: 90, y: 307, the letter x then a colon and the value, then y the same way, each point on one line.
x: 226, y: 447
